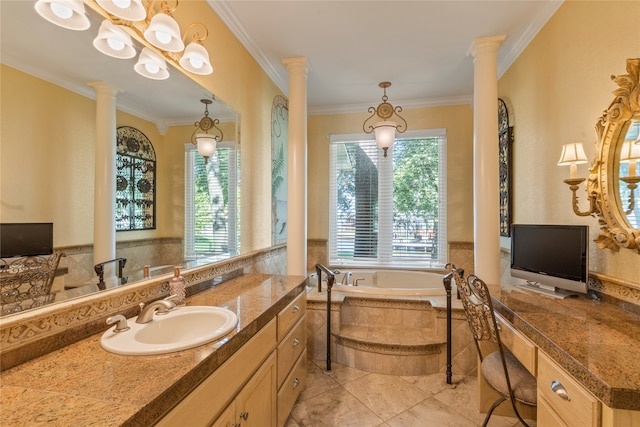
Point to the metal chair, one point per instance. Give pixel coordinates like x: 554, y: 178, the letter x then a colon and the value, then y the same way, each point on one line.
x: 501, y: 369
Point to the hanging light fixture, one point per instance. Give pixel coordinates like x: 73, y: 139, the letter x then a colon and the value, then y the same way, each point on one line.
x: 67, y: 14
x: 162, y: 32
x: 384, y: 127
x: 205, y: 141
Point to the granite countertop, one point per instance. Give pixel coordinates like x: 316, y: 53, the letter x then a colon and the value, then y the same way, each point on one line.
x: 596, y: 342
x: 82, y: 384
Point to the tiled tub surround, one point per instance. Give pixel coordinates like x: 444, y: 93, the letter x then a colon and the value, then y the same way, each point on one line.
x: 596, y: 342
x: 30, y: 334
x: 397, y: 335
x: 82, y: 384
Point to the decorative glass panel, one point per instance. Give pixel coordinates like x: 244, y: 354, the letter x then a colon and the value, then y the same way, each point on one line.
x: 279, y: 140
x: 135, y: 181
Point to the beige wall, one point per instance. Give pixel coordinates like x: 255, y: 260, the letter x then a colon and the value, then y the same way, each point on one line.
x: 556, y: 90
x: 457, y: 120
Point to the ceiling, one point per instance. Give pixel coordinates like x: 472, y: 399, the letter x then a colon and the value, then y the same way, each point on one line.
x: 420, y: 46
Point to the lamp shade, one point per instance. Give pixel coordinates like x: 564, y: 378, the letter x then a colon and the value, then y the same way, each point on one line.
x: 129, y: 10
x: 385, y: 133
x: 151, y: 65
x: 164, y: 33
x: 67, y: 14
x: 114, y: 41
x: 630, y: 152
x: 206, y: 144
x: 196, y: 59
x: 572, y: 154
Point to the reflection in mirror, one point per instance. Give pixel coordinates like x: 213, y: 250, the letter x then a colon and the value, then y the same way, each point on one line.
x: 49, y: 117
x: 629, y: 179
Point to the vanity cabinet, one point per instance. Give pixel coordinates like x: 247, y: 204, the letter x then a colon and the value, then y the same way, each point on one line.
x: 292, y: 355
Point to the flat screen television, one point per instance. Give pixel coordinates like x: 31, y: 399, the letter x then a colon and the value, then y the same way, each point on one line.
x: 26, y: 239
x: 552, y: 259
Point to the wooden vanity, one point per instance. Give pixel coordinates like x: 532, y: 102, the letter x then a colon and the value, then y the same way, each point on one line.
x: 252, y: 376
x: 585, y: 354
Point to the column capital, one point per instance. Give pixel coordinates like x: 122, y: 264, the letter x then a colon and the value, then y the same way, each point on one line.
x: 105, y: 88
x: 298, y: 63
x: 482, y: 45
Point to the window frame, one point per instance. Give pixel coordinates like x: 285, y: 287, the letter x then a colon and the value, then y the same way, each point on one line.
x: 385, y: 257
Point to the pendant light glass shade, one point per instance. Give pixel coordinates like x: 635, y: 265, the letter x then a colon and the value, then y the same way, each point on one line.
x: 196, y: 59
x: 129, y: 10
x: 114, y: 41
x: 67, y: 14
x: 385, y: 133
x: 151, y: 65
x: 206, y: 145
x: 164, y: 33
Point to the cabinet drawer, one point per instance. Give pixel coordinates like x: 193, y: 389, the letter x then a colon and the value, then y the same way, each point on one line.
x: 293, y: 385
x: 290, y: 349
x: 579, y: 408
x: 291, y: 314
x: 523, y: 349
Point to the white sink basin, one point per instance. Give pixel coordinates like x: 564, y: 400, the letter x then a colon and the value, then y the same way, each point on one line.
x: 179, y: 329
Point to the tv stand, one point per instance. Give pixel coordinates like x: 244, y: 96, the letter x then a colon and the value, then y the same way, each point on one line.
x: 550, y: 291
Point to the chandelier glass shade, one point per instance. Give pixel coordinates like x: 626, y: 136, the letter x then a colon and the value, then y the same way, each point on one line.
x: 127, y: 18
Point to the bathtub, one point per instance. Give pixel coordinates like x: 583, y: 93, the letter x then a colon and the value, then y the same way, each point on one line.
x: 392, y: 282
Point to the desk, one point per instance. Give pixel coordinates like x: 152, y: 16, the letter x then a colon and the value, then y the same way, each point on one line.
x: 597, y: 343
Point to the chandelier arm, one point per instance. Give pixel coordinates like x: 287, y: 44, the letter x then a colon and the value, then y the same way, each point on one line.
x: 400, y: 127
x: 369, y: 128
x: 196, y: 35
x: 221, y: 136
x: 574, y: 202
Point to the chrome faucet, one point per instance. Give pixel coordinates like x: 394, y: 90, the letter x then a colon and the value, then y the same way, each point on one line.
x: 161, y: 306
x: 345, y: 279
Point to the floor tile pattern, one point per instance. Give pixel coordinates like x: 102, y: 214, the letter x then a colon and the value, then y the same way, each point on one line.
x: 351, y: 397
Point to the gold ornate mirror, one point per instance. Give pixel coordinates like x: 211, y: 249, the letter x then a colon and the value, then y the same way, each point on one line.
x: 613, y: 180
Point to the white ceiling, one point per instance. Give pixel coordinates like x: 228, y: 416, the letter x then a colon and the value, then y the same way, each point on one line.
x: 420, y: 46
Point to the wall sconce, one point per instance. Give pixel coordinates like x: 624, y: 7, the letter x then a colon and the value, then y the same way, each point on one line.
x: 573, y: 155
x: 385, y: 129
x: 630, y: 153
x: 201, y: 137
x: 130, y: 16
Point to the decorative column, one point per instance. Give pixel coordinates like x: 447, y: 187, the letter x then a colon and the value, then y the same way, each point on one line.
x: 297, y: 173
x: 486, y: 200
x: 104, y: 201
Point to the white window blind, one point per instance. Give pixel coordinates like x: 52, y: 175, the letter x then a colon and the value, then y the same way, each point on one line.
x: 211, y: 203
x: 388, y: 211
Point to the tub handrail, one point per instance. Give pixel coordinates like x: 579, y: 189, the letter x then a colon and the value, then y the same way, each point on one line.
x: 447, y: 286
x: 331, y: 277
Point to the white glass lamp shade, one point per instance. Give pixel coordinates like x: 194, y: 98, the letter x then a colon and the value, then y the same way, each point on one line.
x: 196, y: 59
x: 67, y: 14
x: 572, y: 155
x: 151, y: 65
x: 164, y: 33
x: 630, y: 152
x: 385, y: 133
x: 206, y: 144
x: 114, y: 41
x: 129, y: 10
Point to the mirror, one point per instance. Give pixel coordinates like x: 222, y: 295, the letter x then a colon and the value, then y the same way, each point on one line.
x: 610, y: 183
x: 38, y: 127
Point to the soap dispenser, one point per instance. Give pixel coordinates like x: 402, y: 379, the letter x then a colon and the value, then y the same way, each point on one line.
x: 176, y: 287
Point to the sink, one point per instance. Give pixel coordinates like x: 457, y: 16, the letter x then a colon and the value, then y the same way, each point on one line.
x: 179, y: 329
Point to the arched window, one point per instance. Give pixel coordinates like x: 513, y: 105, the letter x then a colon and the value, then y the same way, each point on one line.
x: 135, y: 181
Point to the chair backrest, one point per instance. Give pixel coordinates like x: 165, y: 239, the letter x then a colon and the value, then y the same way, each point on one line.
x: 478, y: 308
x: 28, y: 279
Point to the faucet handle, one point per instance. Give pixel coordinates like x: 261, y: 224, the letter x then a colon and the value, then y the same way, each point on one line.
x: 121, y: 323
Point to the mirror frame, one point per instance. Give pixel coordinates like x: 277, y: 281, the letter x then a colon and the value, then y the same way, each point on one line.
x: 615, y: 231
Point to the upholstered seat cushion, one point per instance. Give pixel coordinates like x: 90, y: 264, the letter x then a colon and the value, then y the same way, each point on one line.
x: 522, y: 382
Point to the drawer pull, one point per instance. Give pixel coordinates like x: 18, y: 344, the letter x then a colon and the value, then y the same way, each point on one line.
x: 558, y: 388
x: 244, y: 415
x: 296, y: 341
x: 296, y: 381
x: 296, y: 308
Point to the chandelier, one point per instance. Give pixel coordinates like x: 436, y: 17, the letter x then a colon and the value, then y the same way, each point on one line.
x: 201, y: 137
x: 383, y: 125
x: 126, y: 17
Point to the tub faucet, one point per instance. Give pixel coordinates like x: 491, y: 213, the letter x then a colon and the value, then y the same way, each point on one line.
x: 147, y: 311
x: 345, y: 279
x: 99, y: 269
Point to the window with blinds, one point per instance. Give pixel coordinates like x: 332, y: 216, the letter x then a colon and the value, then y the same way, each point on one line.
x: 388, y: 211
x: 211, y: 203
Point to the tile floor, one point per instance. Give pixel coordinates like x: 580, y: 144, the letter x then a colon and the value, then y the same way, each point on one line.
x: 350, y: 397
